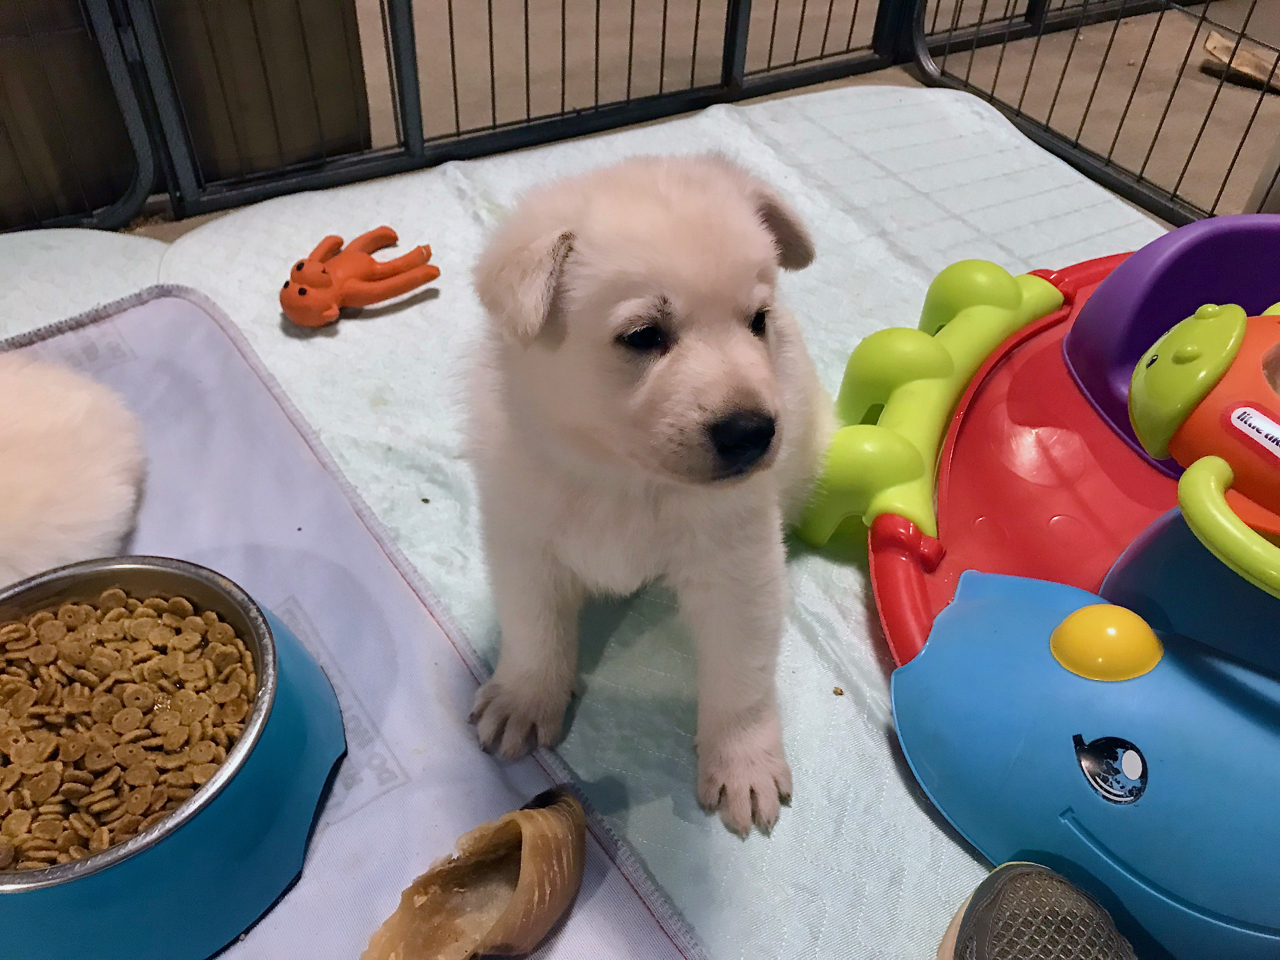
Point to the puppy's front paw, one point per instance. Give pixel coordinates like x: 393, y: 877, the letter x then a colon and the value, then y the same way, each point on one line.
x: 744, y: 774
x: 511, y: 717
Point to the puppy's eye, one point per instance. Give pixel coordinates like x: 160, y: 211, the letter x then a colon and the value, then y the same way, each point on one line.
x: 647, y: 339
x: 758, y: 322
x: 299, y: 266
x: 1152, y: 359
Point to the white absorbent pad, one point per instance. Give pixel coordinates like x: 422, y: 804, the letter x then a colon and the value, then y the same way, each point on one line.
x: 896, y: 183
x: 236, y: 482
x: 49, y: 275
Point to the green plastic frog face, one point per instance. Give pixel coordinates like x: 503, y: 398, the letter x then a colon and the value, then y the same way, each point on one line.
x: 1180, y: 370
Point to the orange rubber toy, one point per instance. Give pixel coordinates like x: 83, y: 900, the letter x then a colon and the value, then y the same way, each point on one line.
x: 333, y: 277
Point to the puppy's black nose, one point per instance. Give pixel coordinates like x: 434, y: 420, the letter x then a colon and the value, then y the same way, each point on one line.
x: 742, y: 438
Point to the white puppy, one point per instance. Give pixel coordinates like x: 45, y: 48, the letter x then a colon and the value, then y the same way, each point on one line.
x: 645, y: 409
x: 72, y: 466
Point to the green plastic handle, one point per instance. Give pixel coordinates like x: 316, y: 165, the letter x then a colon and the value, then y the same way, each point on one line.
x: 900, y: 389
x: 1202, y: 495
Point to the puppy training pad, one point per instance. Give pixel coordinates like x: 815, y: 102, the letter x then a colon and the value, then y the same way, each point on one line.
x: 237, y: 482
x: 49, y: 275
x: 895, y: 184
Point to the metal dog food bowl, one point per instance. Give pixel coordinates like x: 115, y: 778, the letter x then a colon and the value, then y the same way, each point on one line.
x: 192, y: 883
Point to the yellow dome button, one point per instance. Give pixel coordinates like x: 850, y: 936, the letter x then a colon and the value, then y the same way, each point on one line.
x: 1106, y: 642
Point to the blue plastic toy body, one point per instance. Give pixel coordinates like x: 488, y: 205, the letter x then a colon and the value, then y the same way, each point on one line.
x: 197, y: 890
x: 1031, y: 762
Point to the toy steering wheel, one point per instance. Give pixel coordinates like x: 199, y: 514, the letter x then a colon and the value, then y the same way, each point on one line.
x: 1202, y: 493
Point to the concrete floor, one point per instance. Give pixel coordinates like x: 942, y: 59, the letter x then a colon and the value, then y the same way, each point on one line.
x: 1107, y: 87
x: 1135, y: 92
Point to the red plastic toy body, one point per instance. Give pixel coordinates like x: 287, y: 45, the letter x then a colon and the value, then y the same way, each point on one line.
x: 1031, y: 482
x: 333, y: 277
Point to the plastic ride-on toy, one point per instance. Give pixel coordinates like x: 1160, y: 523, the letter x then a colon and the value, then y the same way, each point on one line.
x: 1071, y: 482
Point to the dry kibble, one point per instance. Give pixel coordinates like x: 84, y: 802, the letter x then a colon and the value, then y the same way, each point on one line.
x: 71, y: 616
x: 222, y: 692
x: 95, y: 797
x: 110, y: 713
x: 162, y: 721
x: 97, y: 757
x: 105, y: 707
x: 191, y: 672
x: 73, y: 791
x: 108, y: 779
x: 127, y: 720
x: 45, y: 785
x: 159, y: 635
x: 141, y: 774
x: 43, y: 655
x: 13, y: 632
x: 186, y: 641
x: 170, y: 761
x: 21, y: 702
x: 202, y: 752
x: 176, y: 738
x: 140, y: 697
x: 126, y: 825
x: 51, y: 631
x: 111, y: 816
x: 16, y: 823
x: 195, y: 710
x: 112, y: 599
x: 83, y: 824
x: 138, y: 801
x: 127, y: 754
x: 102, y: 663
x: 220, y: 633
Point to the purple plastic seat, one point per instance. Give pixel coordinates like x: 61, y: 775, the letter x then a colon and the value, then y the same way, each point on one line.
x: 1220, y: 260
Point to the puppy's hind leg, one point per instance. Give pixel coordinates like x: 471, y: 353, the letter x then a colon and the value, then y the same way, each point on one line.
x: 538, y: 601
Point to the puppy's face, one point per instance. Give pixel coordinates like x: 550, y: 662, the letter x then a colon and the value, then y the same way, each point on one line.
x: 658, y: 347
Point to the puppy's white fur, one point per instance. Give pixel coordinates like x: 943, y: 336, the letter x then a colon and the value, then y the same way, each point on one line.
x: 595, y: 468
x: 71, y: 462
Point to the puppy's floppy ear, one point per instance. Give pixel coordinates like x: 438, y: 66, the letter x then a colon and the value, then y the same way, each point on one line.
x: 795, y: 246
x: 517, y: 277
